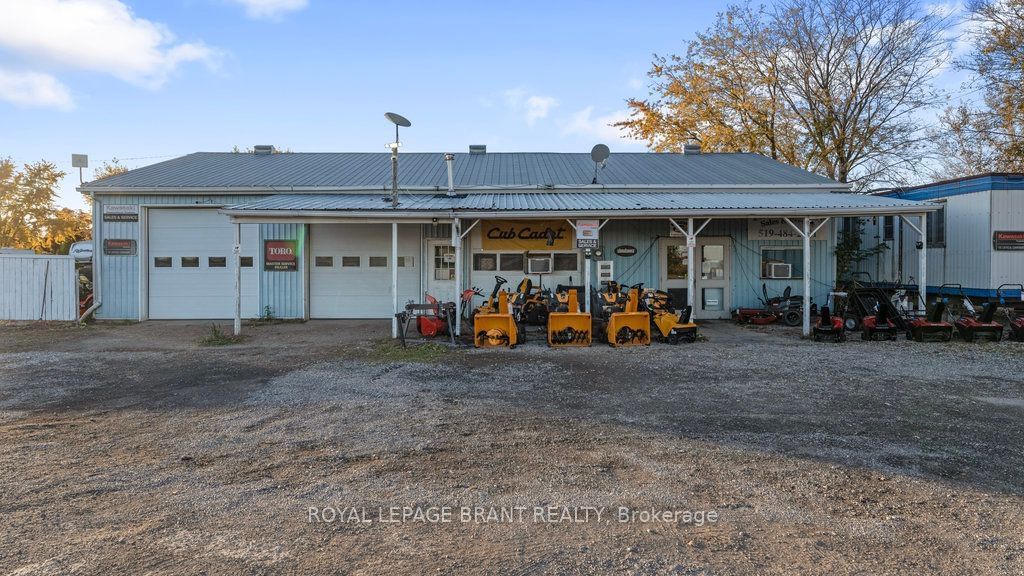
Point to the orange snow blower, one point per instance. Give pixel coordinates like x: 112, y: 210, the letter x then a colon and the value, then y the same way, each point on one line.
x: 630, y: 327
x: 570, y: 327
x: 496, y: 329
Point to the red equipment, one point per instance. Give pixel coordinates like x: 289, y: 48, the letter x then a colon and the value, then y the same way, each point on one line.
x: 879, y: 326
x: 983, y: 328
x: 434, y: 324
x: 931, y: 328
x: 1016, y: 321
x: 829, y: 327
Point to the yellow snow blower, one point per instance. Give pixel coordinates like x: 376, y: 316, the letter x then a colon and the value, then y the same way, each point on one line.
x: 630, y: 327
x: 495, y: 329
x: 569, y: 327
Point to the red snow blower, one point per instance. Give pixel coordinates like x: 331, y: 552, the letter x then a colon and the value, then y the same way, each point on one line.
x: 830, y: 326
x: 880, y: 326
x: 974, y: 327
x: 931, y: 327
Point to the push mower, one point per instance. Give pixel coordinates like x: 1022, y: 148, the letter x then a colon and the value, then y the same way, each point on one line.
x: 667, y: 325
x: 974, y: 327
x: 830, y: 326
x: 1016, y: 321
x: 931, y: 327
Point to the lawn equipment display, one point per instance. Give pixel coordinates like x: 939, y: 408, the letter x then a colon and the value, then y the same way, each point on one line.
x: 788, y: 308
x: 974, y: 327
x: 1013, y: 311
x: 530, y: 303
x: 880, y: 326
x: 630, y: 327
x: 496, y: 329
x: 433, y: 318
x: 667, y: 325
x: 868, y: 300
x: 931, y: 327
x: 568, y: 327
x: 830, y: 326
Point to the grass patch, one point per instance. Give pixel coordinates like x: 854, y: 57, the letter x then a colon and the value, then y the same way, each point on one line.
x: 218, y: 337
x: 387, y: 350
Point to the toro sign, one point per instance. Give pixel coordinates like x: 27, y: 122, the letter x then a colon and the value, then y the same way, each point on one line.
x: 280, y: 255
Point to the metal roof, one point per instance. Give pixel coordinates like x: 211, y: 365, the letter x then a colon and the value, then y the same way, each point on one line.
x: 608, y: 203
x: 217, y: 171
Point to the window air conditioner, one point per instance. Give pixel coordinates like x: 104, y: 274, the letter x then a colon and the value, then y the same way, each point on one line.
x: 538, y: 265
x: 778, y: 270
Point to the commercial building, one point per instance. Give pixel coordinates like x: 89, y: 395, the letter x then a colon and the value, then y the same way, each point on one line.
x: 318, y: 235
x: 975, y: 238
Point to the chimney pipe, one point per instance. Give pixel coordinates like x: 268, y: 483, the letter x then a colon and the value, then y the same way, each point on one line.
x: 449, y: 159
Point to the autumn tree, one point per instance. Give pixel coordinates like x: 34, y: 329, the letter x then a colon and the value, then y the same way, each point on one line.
x: 29, y: 215
x: 108, y: 169
x: 989, y: 137
x: 834, y: 86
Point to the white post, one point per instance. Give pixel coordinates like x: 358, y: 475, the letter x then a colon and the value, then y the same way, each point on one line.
x: 457, y: 243
x: 691, y: 281
x: 585, y: 297
x: 394, y: 279
x: 237, y: 250
x: 807, y: 276
x: 922, y: 264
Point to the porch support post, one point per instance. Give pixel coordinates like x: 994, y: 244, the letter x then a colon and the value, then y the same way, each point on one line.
x: 457, y: 298
x: 237, y: 257
x: 394, y: 279
x: 691, y: 280
x: 807, y: 276
x: 922, y: 264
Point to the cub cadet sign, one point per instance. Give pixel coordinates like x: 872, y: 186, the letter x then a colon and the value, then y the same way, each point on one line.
x: 518, y: 235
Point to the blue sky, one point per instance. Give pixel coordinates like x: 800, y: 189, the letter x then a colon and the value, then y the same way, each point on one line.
x: 141, y: 80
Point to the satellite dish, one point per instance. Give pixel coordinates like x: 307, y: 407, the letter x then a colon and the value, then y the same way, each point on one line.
x: 398, y: 119
x: 599, y: 153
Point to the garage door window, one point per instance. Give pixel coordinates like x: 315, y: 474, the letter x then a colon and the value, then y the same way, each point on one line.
x: 217, y: 262
x: 567, y: 262
x: 378, y: 261
x: 190, y: 262
x: 324, y: 261
x: 404, y: 261
x: 162, y: 262
x: 350, y: 261
x: 246, y: 261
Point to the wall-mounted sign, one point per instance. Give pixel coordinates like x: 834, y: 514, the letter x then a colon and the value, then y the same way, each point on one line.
x: 625, y: 250
x: 587, y: 233
x: 778, y: 229
x: 1008, y: 240
x: 120, y: 212
x: 118, y: 247
x: 280, y: 255
x: 541, y: 235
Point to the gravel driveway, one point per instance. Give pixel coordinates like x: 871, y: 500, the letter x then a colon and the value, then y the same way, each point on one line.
x: 320, y: 448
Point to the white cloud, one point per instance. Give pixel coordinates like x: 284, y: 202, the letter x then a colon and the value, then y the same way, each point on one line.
x: 99, y: 36
x: 584, y: 123
x: 34, y: 89
x: 533, y: 107
x: 270, y: 8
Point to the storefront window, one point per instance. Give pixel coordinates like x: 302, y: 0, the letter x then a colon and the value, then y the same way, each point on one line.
x: 677, y: 262
x: 794, y: 257
x: 485, y: 262
x: 712, y: 262
x: 568, y: 262
x: 512, y: 263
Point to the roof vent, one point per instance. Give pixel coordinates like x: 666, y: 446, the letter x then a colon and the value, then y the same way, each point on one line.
x: 691, y: 148
x: 262, y: 149
x: 478, y: 149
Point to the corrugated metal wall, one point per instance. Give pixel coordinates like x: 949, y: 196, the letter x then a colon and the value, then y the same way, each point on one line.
x: 283, y: 292
x: 38, y: 288
x: 746, y: 259
x: 1007, y: 214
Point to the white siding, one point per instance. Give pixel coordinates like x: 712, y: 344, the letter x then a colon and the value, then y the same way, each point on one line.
x: 1007, y: 214
x: 38, y: 288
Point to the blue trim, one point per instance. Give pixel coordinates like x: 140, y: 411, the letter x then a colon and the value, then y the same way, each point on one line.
x: 959, y: 187
x: 977, y: 292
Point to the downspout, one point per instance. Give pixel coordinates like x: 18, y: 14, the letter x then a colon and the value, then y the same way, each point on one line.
x: 97, y: 266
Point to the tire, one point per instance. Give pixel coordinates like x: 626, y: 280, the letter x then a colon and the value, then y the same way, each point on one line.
x: 792, y: 318
x: 851, y: 323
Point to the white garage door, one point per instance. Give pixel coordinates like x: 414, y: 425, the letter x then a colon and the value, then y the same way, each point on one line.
x: 191, y: 266
x: 350, y: 275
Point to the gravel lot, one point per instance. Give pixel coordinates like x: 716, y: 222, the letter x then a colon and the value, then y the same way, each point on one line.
x: 131, y: 449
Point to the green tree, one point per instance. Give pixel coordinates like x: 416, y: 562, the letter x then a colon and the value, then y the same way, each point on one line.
x: 29, y: 215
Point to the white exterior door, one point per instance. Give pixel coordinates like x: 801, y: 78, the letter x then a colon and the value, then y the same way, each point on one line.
x: 191, y: 265
x: 675, y: 269
x: 350, y: 269
x: 441, y: 270
x: 713, y: 287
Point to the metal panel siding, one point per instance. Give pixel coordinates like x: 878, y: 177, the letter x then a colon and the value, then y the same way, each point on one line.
x: 746, y: 261
x: 38, y: 288
x: 120, y: 274
x: 283, y: 291
x: 1007, y: 214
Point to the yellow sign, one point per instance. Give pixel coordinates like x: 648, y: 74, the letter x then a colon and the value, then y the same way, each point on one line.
x: 541, y: 235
